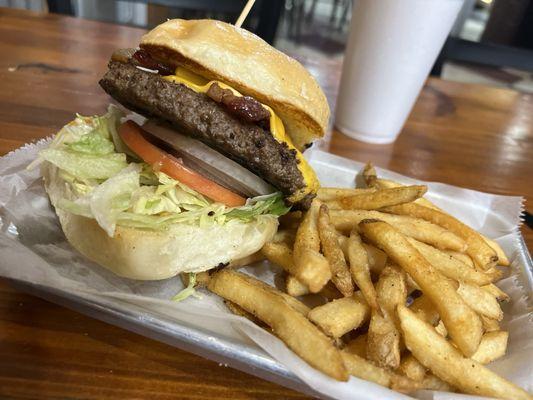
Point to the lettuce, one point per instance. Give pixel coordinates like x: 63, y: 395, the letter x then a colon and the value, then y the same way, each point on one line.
x: 85, y: 166
x: 272, y: 204
x: 92, y: 143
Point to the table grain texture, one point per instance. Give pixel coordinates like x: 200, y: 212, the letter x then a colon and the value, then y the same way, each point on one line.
x: 466, y: 135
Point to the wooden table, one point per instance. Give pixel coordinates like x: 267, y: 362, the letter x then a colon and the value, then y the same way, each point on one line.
x: 465, y: 135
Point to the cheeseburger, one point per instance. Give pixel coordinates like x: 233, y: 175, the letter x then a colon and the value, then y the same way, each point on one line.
x: 199, y: 180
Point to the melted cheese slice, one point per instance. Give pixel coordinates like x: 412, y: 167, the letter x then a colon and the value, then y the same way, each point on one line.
x: 201, y: 85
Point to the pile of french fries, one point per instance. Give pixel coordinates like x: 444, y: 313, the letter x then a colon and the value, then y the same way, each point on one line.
x: 407, y: 291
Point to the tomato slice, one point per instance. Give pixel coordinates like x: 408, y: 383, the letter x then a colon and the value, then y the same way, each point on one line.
x: 131, y: 134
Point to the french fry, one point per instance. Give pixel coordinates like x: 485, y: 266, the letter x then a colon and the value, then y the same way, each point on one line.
x: 340, y: 273
x: 444, y: 360
x: 280, y: 254
x: 285, y: 236
x: 391, y: 291
x: 462, y: 323
x: 370, y: 175
x: 423, y: 231
x: 294, y: 287
x: 450, y: 266
x: 464, y: 258
x: 411, y: 368
x: 361, y: 368
x: 502, y: 257
x: 340, y: 316
x: 360, y: 269
x: 489, y: 324
x: 383, y: 341
x: 357, y: 346
x: 329, y: 194
x: 480, y: 301
x: 441, y: 329
x: 376, y: 257
x: 425, y: 310
x: 493, y: 346
x: 238, y: 310
x: 432, y: 382
x: 373, y: 200
x: 477, y: 248
x: 311, y: 268
x: 248, y: 260
x: 498, y: 294
x: 271, y: 307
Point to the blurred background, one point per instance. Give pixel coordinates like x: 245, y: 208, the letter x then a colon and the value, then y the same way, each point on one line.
x: 491, y: 42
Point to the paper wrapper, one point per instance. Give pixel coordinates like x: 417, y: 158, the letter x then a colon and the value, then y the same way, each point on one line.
x: 33, y: 249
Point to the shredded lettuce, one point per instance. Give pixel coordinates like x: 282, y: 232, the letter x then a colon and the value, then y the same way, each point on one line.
x: 92, y: 159
x: 188, y: 291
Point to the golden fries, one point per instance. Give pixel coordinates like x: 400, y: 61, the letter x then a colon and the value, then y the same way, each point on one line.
x: 280, y: 254
x: 311, y: 267
x: 373, y: 200
x: 328, y: 194
x: 502, y: 258
x: 357, y: 346
x: 383, y: 341
x: 462, y: 323
x: 391, y: 291
x: 423, y: 231
x: 494, y: 290
x: 360, y: 269
x: 361, y: 368
x: 369, y: 175
x: 243, y: 262
x: 201, y: 279
x: 411, y: 368
x: 425, y: 310
x: 445, y: 361
x: 340, y: 274
x: 481, y: 301
x: 272, y: 308
x: 489, y: 325
x: 294, y: 287
x: 477, y: 248
x: 493, y: 346
x: 464, y: 258
x: 340, y: 316
x: 450, y: 266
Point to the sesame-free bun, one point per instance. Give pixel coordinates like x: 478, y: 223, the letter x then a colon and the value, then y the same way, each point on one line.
x: 150, y: 255
x: 220, y: 51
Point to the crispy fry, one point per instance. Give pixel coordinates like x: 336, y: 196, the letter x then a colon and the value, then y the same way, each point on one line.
x: 248, y: 260
x: 376, y: 257
x: 445, y: 361
x: 480, y: 301
x: 381, y: 183
x: 285, y: 236
x: 464, y: 258
x: 391, y: 291
x: 370, y: 175
x: 311, y: 268
x: 361, y: 368
x: 373, y: 200
x: 271, y: 307
x: 423, y: 231
x: 425, y: 310
x: 493, y: 346
x: 383, y: 341
x: 477, y: 248
x: 238, y: 310
x: 360, y: 269
x: 489, y: 324
x: 463, y: 324
x: 340, y: 316
x: 294, y: 287
x: 449, y: 266
x: 502, y: 257
x: 411, y: 368
x: 357, y: 346
x: 498, y: 294
x: 340, y: 273
x: 441, y: 329
x: 280, y: 254
x: 432, y: 382
x: 329, y: 194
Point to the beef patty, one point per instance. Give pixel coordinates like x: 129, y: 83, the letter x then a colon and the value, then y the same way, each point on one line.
x: 201, y: 117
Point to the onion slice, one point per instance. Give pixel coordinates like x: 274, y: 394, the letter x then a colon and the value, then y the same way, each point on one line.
x: 207, y: 161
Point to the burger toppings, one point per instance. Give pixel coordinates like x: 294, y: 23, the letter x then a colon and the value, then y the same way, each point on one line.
x: 132, y: 136
x: 245, y: 107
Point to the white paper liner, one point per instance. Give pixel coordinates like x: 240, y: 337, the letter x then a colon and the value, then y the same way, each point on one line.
x: 33, y: 249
